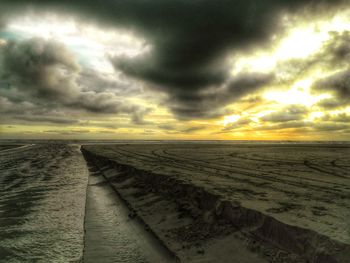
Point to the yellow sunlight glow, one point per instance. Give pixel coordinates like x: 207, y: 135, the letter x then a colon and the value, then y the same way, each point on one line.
x: 298, y: 94
x: 231, y: 119
x: 315, y: 115
x: 304, y: 39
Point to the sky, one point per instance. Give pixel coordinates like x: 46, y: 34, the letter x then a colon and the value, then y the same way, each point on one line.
x: 175, y: 69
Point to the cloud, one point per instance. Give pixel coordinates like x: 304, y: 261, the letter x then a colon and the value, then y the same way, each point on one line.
x: 2, y: 22
x: 103, y: 102
x: 9, y: 107
x: 102, y: 82
x: 70, y: 132
x: 170, y: 129
x: 337, y: 84
x: 46, y: 74
x: 104, y: 124
x: 188, y: 43
x: 341, y: 117
x: 330, y: 126
x: 138, y: 117
x: 45, y: 69
x: 334, y: 55
x: 337, y: 49
x: 167, y: 127
x: 290, y: 113
x: 47, y: 119
x: 305, y: 126
x: 211, y: 102
x: 300, y: 125
x: 30, y: 113
x: 193, y: 129
x: 241, y: 123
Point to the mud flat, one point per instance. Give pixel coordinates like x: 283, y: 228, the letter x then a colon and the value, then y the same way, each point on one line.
x: 236, y: 202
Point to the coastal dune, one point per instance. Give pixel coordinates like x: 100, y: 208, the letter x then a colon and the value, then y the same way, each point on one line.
x: 236, y: 203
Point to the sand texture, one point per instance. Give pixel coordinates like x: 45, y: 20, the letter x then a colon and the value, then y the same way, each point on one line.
x: 42, y: 201
x: 237, y: 203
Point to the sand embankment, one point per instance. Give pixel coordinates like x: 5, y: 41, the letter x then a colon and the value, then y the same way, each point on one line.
x: 200, y: 224
x: 110, y: 235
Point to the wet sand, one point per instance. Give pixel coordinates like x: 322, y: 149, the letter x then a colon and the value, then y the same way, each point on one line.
x: 279, y: 203
x: 111, y: 235
x: 42, y: 200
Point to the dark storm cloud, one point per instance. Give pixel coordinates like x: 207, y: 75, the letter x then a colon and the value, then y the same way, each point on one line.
x: 290, y: 113
x: 209, y: 102
x: 188, y: 41
x: 246, y: 83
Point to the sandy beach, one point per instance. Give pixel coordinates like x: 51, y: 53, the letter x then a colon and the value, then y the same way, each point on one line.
x: 176, y: 202
x: 236, y: 203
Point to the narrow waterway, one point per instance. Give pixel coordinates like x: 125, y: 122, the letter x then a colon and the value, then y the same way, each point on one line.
x: 110, y: 234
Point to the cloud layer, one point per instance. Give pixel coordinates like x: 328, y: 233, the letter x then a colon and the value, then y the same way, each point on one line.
x: 187, y: 66
x: 46, y: 73
x: 188, y: 44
